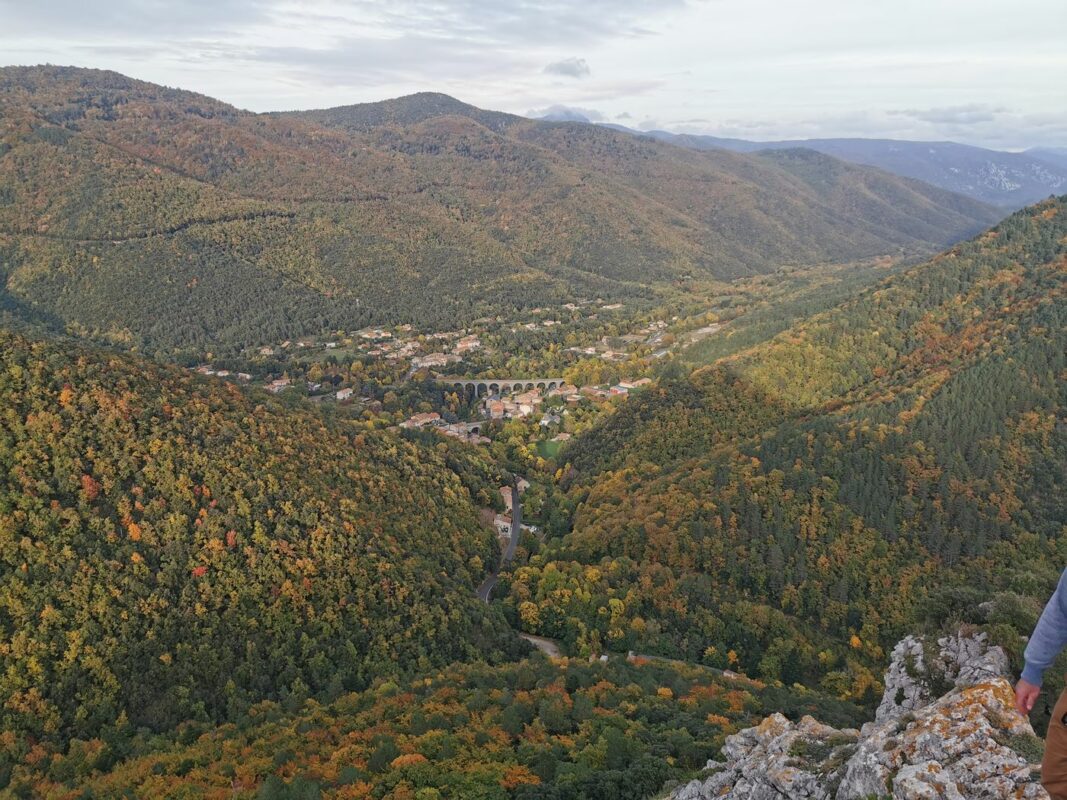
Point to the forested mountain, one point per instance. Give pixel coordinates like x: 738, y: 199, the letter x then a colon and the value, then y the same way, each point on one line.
x: 162, y: 219
x: 178, y: 549
x: 1004, y: 179
x: 797, y: 506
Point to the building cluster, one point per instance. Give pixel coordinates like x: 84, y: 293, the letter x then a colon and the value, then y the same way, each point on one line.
x: 464, y: 431
x: 204, y: 369
x: 621, y: 348
x: 524, y: 404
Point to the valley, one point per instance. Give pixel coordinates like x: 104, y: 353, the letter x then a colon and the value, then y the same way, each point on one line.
x: 412, y: 451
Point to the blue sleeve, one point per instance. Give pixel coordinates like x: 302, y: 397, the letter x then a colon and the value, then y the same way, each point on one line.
x: 1049, y: 637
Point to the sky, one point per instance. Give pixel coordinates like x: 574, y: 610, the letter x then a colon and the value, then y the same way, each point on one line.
x: 985, y: 72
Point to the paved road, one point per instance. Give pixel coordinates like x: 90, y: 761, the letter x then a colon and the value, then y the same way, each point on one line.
x: 486, y: 589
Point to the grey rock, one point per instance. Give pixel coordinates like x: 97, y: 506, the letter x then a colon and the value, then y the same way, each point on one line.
x: 956, y: 747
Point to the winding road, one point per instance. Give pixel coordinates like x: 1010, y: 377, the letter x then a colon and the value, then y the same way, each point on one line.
x: 486, y: 589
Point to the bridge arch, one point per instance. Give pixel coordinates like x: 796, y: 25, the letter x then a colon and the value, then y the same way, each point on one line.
x: 481, y: 386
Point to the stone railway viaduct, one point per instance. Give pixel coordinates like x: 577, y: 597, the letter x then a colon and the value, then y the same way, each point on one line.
x: 480, y: 386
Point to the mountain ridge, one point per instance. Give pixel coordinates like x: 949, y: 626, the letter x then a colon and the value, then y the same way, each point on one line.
x: 390, y: 213
x: 1005, y: 179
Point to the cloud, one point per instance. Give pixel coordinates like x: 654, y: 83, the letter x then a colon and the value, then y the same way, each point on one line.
x: 526, y: 22
x: 569, y: 67
x: 969, y: 114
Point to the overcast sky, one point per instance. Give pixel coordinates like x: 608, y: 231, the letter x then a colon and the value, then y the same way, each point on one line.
x: 989, y: 72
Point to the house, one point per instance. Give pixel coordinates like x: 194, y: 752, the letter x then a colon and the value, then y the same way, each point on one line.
x: 278, y: 385
x: 550, y: 419
x: 434, y: 360
x: 632, y: 384
x: 619, y: 390
x: 375, y: 333
x: 522, y: 485
x: 331, y: 345
x: 505, y: 492
x: 503, y: 525
x: 467, y: 343
x: 245, y: 376
x: 561, y: 437
x: 421, y: 420
x: 344, y: 394
x: 266, y: 351
x: 495, y: 409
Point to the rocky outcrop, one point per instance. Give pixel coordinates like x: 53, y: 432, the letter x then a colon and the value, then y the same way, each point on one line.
x: 969, y: 743
x: 918, y: 673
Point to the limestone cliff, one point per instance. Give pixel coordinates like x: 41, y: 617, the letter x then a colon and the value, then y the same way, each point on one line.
x: 969, y: 742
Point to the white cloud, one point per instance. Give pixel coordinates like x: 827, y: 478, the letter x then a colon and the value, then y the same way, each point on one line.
x: 779, y: 69
x: 569, y: 67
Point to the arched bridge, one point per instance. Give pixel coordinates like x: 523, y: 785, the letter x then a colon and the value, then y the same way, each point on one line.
x: 480, y: 386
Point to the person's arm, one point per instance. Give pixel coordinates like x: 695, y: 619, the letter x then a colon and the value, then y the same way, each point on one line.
x: 1049, y: 636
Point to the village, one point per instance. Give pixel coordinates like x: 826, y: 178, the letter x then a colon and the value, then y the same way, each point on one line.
x: 522, y: 405
x: 604, y: 351
x: 478, y: 384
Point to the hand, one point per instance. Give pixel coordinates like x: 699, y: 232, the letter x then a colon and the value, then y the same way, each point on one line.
x: 1025, y: 696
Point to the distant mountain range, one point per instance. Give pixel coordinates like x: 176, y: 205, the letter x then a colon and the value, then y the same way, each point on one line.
x: 163, y: 219
x: 1006, y: 180
x: 1052, y: 155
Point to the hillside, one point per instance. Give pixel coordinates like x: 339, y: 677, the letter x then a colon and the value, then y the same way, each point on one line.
x: 798, y: 506
x: 177, y: 549
x: 1003, y: 179
x: 532, y: 730
x: 160, y: 219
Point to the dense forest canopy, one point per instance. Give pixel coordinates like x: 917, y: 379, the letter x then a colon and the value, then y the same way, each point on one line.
x: 529, y: 730
x: 177, y: 549
x: 796, y: 507
x: 161, y: 219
